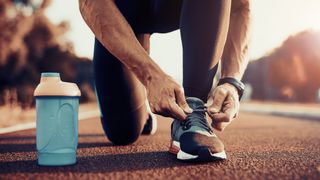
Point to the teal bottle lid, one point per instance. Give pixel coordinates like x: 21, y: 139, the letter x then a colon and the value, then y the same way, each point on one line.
x: 50, y: 74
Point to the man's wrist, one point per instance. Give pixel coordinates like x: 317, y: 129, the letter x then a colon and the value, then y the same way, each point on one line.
x: 236, y: 76
x: 237, y: 84
x: 148, y: 72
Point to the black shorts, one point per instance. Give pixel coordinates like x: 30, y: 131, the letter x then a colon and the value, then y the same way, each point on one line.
x: 151, y: 16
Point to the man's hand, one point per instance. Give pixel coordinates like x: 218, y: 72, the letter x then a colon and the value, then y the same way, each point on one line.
x: 223, y: 105
x: 110, y: 27
x: 166, y: 97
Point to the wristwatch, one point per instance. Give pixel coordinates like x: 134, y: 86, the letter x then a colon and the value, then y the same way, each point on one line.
x: 236, y: 83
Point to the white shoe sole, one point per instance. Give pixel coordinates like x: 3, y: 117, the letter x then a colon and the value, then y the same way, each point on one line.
x: 153, y: 118
x: 204, y: 154
x: 154, y: 123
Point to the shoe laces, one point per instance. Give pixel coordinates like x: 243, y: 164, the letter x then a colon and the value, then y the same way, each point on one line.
x: 197, y: 118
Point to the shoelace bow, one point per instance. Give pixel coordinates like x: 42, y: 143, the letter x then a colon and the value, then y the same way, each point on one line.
x: 197, y: 118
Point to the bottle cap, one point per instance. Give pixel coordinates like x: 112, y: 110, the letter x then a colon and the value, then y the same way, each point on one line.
x: 51, y: 85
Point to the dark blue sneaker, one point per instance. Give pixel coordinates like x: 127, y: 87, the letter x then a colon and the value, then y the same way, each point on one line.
x: 193, y: 139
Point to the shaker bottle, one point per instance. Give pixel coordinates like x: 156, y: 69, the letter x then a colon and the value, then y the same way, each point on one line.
x: 57, y: 104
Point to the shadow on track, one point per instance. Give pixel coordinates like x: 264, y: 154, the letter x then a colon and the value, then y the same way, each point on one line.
x: 100, y: 163
x: 23, y: 137
x: 30, y: 147
x: 27, y: 143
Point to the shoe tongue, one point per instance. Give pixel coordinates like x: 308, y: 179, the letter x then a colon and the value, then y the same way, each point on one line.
x: 194, y: 103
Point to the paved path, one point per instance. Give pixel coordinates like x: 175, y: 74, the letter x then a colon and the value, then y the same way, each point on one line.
x: 258, y: 146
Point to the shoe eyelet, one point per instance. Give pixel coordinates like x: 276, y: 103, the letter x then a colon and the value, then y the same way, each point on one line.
x: 185, y: 127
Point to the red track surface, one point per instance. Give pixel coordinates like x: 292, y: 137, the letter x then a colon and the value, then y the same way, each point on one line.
x: 258, y: 147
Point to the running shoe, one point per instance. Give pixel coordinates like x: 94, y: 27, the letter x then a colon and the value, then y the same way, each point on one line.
x: 151, y: 124
x: 193, y: 139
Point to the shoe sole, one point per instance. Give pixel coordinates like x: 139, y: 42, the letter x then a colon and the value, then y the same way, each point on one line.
x: 153, y: 118
x: 154, y: 123
x: 204, y: 154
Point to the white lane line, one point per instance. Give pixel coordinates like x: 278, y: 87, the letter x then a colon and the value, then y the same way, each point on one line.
x: 89, y: 115
x: 31, y: 125
x: 18, y: 127
x: 302, y: 113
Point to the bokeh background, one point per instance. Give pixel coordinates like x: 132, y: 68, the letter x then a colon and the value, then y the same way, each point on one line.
x: 50, y: 35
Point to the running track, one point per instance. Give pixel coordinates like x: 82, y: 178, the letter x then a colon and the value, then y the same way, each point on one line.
x: 258, y: 147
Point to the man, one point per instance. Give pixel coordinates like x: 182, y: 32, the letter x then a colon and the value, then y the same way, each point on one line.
x: 126, y: 76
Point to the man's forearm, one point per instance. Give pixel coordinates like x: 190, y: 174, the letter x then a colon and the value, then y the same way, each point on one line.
x: 113, y: 31
x: 234, y: 60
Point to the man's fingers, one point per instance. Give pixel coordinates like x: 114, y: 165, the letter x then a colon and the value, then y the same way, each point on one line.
x: 220, y: 126
x: 209, y: 102
x: 177, y: 112
x: 220, y: 117
x: 229, y: 107
x: 228, y: 111
x: 223, y: 107
x: 220, y: 121
x: 217, y: 101
x: 225, y: 116
x: 181, y: 100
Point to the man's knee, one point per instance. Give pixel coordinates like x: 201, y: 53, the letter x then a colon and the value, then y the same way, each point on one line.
x: 125, y: 138
x: 125, y: 126
x: 121, y: 135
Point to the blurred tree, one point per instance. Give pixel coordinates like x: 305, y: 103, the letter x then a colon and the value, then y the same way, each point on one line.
x: 31, y: 44
x: 290, y: 73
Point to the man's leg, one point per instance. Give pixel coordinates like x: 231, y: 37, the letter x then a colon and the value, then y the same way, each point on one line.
x: 121, y: 96
x: 204, y: 26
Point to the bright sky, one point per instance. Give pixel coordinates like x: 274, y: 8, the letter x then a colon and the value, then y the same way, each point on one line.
x: 273, y: 22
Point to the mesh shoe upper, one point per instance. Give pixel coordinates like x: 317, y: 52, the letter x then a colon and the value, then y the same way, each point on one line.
x: 195, y: 133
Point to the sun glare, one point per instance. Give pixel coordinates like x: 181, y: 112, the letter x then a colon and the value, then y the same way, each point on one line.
x: 307, y: 14
x: 273, y: 22
x: 311, y: 19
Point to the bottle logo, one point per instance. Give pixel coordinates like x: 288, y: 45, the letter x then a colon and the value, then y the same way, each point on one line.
x: 66, y: 118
